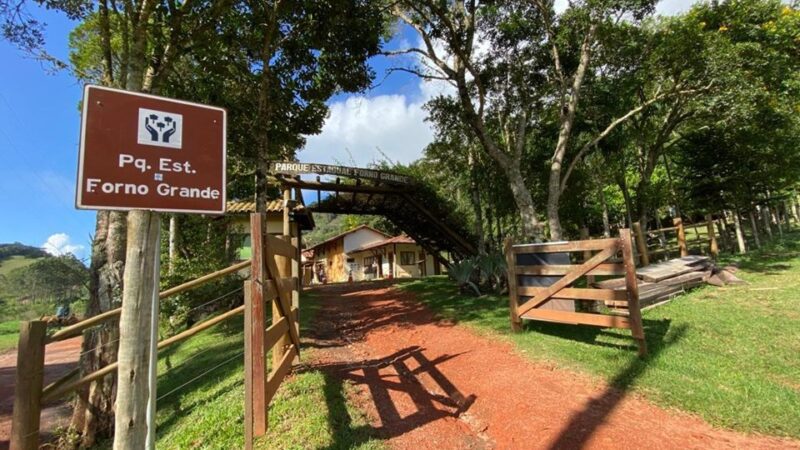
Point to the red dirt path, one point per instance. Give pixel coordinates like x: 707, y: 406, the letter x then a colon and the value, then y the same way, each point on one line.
x: 429, y: 384
x: 60, y: 358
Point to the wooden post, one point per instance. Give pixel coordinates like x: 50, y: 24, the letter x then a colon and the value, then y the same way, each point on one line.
x: 296, y: 288
x: 681, y: 236
x: 255, y: 327
x: 513, y: 300
x: 712, y: 237
x: 590, y: 305
x: 632, y: 290
x: 737, y: 223
x: 28, y: 388
x: 641, y: 244
x: 140, y: 291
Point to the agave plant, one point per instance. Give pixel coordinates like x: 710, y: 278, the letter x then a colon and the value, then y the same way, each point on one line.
x: 492, y: 269
x: 462, y: 272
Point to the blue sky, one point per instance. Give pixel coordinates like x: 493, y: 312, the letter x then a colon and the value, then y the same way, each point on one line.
x: 40, y: 122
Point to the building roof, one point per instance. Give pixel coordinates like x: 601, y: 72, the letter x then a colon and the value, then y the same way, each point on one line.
x: 401, y: 239
x: 244, y: 206
x: 341, y: 235
x: 302, y: 215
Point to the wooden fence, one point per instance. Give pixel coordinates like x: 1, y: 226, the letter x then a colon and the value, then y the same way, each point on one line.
x: 273, y: 277
x: 274, y: 281
x: 542, y: 290
x: 703, y: 239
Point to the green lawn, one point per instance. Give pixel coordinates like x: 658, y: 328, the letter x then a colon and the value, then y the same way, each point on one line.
x: 9, y: 332
x: 730, y: 355
x: 310, y: 410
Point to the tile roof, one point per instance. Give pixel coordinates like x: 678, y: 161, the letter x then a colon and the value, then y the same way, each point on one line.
x: 244, y: 206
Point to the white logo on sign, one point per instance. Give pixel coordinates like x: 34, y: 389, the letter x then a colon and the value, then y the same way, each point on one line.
x: 160, y: 128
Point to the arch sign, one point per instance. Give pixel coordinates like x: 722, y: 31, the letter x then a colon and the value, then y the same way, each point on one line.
x: 140, y: 151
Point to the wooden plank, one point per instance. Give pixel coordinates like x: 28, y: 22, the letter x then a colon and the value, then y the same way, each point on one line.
x: 513, y: 298
x: 568, y: 279
x: 276, y: 331
x: 200, y: 327
x: 29, y: 379
x: 662, y: 271
x: 284, y: 302
x: 691, y: 259
x: 598, y: 320
x: 279, y: 372
x: 632, y: 289
x: 280, y: 247
x: 559, y: 247
x: 69, y: 377
x: 577, y: 293
x: 555, y: 269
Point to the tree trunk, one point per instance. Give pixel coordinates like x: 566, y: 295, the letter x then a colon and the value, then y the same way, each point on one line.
x: 475, y: 199
x: 765, y: 215
x: 133, y: 390
x: 93, y: 411
x: 173, y: 239
x: 737, y: 223
x: 626, y: 195
x: 604, y: 205
x: 755, y: 228
x: 778, y: 219
x: 531, y: 228
x: 553, y: 202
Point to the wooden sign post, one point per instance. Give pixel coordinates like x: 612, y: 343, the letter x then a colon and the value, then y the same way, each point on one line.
x: 146, y: 154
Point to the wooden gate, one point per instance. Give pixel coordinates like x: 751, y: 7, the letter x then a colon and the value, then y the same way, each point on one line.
x: 274, y: 280
x: 546, y: 301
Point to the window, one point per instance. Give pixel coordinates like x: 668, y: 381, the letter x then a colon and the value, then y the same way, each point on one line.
x: 406, y: 258
x: 351, y: 260
x: 368, y: 261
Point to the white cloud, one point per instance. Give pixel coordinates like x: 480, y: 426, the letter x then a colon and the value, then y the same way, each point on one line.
x: 672, y: 7
x: 360, y: 128
x: 60, y: 244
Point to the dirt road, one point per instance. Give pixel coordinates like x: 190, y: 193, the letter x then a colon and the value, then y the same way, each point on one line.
x: 60, y: 358
x: 429, y: 384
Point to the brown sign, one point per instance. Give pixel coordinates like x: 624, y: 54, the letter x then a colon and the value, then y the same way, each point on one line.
x: 140, y: 151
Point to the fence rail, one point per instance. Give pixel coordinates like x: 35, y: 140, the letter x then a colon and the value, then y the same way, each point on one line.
x: 273, y: 278
x: 541, y: 286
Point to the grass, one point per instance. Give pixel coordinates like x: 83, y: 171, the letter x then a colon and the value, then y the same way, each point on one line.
x: 310, y: 410
x: 15, y: 262
x: 729, y: 355
x: 9, y: 335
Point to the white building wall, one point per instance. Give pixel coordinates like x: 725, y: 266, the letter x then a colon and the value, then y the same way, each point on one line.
x: 361, y: 238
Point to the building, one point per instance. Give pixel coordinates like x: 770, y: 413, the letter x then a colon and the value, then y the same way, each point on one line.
x: 300, y: 220
x: 364, y: 253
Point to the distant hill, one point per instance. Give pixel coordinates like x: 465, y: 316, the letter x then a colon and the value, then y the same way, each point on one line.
x: 17, y: 249
x: 16, y: 255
